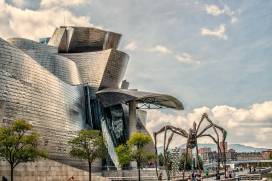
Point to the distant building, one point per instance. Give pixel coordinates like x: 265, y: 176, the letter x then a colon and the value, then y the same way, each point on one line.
x: 212, y: 156
x: 267, y: 154
x: 249, y: 156
x: 204, y: 153
x: 231, y: 155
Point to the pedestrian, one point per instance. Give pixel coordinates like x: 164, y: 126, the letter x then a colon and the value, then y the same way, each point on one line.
x: 230, y: 175
x: 198, y: 176
x: 71, y: 178
x: 160, y: 176
x: 4, y: 178
x: 193, y: 176
x: 207, y: 173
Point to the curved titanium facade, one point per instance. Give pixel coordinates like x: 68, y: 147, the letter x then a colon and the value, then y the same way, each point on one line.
x: 31, y: 92
x: 83, y: 39
x: 101, y: 69
x: 56, y: 92
x: 54, y: 88
x: 64, y: 68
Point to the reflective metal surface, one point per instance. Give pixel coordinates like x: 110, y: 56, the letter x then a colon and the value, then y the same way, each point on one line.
x: 110, y: 97
x: 33, y: 93
x: 54, y: 88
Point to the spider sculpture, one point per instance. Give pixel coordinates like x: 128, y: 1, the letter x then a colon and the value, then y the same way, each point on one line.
x: 192, y: 137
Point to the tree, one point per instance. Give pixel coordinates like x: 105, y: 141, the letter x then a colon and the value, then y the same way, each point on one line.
x: 161, y: 159
x: 88, y: 145
x: 133, y: 150
x: 188, y: 164
x: 18, y: 144
x: 200, y: 162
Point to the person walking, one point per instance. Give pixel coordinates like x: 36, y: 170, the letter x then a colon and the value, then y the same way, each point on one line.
x: 193, y: 176
x: 160, y: 176
x: 71, y: 178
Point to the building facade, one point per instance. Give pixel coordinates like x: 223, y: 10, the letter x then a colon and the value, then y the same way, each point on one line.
x: 54, y: 85
x: 267, y: 154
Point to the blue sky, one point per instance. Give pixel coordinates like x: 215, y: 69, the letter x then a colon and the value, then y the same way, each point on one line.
x: 214, y: 56
x: 235, y: 70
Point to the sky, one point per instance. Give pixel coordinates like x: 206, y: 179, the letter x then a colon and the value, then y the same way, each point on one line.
x: 214, y: 56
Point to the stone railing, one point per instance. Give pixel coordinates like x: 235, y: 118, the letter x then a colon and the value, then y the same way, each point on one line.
x: 250, y: 177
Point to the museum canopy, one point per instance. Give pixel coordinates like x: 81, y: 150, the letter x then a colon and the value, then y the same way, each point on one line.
x: 110, y: 97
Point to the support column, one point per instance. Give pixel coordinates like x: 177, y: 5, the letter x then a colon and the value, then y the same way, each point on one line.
x: 132, y: 117
x: 132, y: 124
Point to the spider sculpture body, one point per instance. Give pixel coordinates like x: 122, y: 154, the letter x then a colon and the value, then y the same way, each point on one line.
x: 192, y: 136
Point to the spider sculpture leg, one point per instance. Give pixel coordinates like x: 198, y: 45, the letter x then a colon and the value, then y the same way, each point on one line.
x: 216, y: 128
x: 174, y: 130
x: 185, y: 161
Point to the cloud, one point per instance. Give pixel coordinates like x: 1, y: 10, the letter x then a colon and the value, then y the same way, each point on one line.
x: 216, y: 11
x: 35, y: 24
x: 63, y: 3
x: 131, y: 46
x: 160, y: 49
x: 186, y: 58
x: 250, y: 126
x: 218, y: 32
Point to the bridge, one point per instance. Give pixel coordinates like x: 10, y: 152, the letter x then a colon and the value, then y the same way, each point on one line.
x: 237, y: 162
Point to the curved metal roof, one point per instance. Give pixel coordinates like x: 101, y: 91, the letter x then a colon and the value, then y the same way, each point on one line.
x: 111, y: 97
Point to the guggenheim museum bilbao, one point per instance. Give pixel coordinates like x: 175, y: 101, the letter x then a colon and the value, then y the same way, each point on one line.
x: 73, y: 81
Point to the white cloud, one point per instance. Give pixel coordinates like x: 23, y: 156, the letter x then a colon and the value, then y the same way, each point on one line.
x: 250, y: 126
x: 160, y: 49
x: 34, y: 24
x: 131, y: 46
x: 63, y: 3
x: 186, y: 58
x: 216, y: 11
x: 218, y: 32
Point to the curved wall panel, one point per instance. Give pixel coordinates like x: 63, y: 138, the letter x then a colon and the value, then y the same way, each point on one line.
x: 26, y: 44
x: 71, y: 39
x: 46, y: 56
x: 32, y: 93
x: 102, y: 69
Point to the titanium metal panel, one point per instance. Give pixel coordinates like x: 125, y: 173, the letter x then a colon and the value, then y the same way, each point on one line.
x: 64, y: 68
x: 69, y: 39
x: 31, y: 92
x: 102, y: 69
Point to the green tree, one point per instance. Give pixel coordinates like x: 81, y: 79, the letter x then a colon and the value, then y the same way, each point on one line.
x: 88, y: 145
x: 134, y: 150
x: 188, y: 164
x: 200, y: 162
x: 19, y: 144
x: 161, y: 159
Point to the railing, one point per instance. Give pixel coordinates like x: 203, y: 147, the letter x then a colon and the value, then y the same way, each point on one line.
x: 250, y: 177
